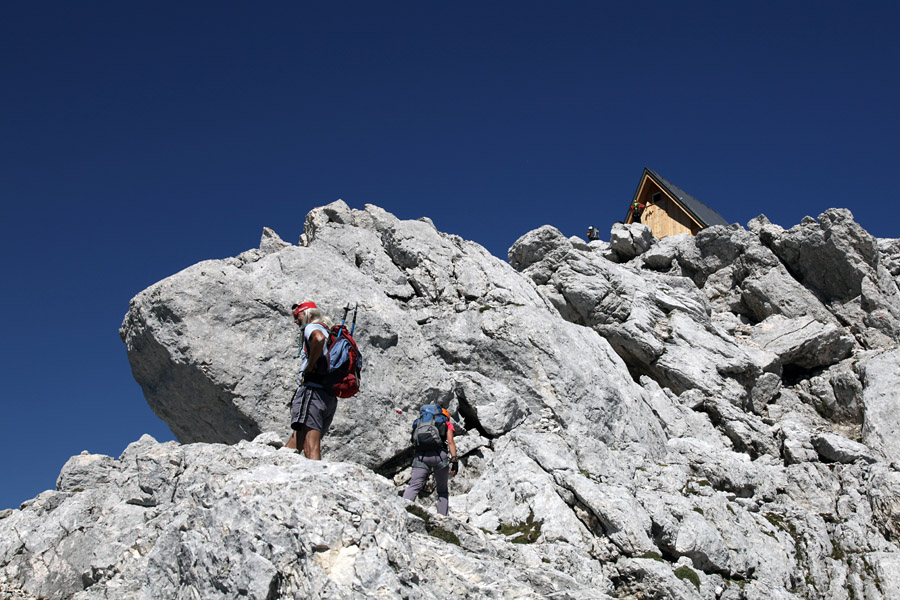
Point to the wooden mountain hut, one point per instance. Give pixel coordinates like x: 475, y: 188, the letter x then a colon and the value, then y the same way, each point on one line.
x: 667, y: 209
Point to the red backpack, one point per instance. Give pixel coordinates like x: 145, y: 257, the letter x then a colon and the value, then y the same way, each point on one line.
x: 344, y: 363
x: 344, y: 360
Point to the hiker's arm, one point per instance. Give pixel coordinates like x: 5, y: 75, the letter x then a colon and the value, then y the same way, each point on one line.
x: 454, y: 460
x: 316, y: 343
x: 450, y: 443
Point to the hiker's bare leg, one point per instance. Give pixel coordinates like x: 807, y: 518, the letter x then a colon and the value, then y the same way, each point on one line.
x: 292, y: 442
x: 300, y: 439
x: 311, y: 442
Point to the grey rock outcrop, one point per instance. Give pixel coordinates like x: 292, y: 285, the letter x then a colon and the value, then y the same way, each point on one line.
x: 841, y: 263
x: 881, y: 402
x: 660, y: 324
x: 216, y: 521
x: 837, y: 448
x: 685, y: 418
x: 438, y: 316
x: 628, y: 241
x: 740, y: 275
x: 802, y: 342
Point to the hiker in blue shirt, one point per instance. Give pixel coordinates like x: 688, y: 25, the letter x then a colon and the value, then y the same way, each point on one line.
x: 432, y: 437
x: 313, y: 406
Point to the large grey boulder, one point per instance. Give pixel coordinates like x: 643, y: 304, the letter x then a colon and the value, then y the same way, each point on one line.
x: 880, y: 374
x: 837, y: 448
x: 661, y: 256
x: 628, y: 241
x: 840, y: 262
x: 213, y: 347
x: 803, y: 342
x: 535, y: 245
x: 831, y: 254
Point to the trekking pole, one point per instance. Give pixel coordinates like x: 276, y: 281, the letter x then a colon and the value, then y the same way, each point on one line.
x: 355, y: 310
x: 344, y: 318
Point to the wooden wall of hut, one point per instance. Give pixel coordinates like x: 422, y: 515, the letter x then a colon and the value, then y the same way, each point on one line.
x: 662, y: 214
x: 665, y: 217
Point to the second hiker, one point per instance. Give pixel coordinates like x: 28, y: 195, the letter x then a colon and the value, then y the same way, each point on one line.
x: 313, y: 406
x: 432, y: 436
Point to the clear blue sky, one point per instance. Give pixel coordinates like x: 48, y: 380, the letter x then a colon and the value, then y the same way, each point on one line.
x: 140, y: 138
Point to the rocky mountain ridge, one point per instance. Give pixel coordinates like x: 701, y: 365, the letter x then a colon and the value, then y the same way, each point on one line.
x: 696, y: 417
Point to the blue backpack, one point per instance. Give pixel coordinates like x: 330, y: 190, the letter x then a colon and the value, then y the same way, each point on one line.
x: 430, y: 430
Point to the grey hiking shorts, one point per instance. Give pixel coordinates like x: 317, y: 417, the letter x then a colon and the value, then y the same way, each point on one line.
x: 313, y: 407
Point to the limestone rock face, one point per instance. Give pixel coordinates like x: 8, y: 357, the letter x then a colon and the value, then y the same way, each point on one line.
x: 841, y: 263
x: 740, y: 275
x: 803, y: 341
x: 628, y: 241
x: 832, y: 254
x: 694, y: 417
x: 881, y: 400
x: 438, y: 318
x: 216, y: 521
x: 659, y: 324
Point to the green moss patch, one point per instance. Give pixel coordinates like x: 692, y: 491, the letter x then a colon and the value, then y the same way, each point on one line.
x: 419, y: 512
x: 652, y: 556
x: 526, y: 533
x: 444, y: 534
x: 687, y: 573
x: 432, y: 529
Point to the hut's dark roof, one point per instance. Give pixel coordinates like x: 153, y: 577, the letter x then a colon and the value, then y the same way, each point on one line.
x: 704, y: 214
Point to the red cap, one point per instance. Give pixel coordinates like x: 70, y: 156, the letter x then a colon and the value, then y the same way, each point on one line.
x: 299, y: 308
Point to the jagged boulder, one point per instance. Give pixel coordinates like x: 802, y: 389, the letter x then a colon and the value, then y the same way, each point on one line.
x: 740, y: 275
x: 840, y: 262
x: 837, y: 448
x: 213, y: 346
x: 659, y: 324
x: 831, y: 254
x: 628, y: 241
x: 803, y: 342
x: 881, y: 403
x: 661, y: 256
x: 535, y: 245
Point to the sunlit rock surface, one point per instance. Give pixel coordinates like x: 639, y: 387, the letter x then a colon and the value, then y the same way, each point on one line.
x: 693, y: 417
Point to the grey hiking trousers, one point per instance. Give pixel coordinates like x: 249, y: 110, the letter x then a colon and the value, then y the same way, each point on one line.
x: 437, y: 463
